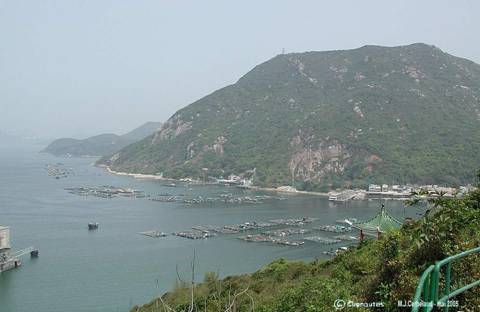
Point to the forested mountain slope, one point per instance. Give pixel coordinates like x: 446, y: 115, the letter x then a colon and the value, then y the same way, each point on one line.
x: 408, y: 114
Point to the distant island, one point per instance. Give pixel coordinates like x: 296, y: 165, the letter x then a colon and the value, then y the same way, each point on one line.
x: 326, y: 120
x: 99, y: 145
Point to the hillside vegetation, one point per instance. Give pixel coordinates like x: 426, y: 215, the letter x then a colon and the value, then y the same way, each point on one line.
x: 385, y: 270
x: 408, y: 114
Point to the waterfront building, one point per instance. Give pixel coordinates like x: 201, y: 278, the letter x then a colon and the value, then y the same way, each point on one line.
x: 6, y: 262
x: 4, y: 240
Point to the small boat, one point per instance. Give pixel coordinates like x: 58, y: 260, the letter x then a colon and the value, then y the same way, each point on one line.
x: 332, y: 198
x: 92, y: 226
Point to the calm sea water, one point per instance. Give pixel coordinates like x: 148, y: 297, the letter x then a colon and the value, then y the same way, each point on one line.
x: 114, y: 268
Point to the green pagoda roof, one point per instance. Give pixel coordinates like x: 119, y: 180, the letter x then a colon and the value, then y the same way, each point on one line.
x: 382, y: 222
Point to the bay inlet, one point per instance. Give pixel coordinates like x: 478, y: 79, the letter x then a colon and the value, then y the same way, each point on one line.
x: 113, y: 268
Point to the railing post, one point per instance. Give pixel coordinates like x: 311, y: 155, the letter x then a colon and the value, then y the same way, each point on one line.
x: 436, y: 282
x: 427, y: 293
x: 447, y: 284
x: 431, y: 296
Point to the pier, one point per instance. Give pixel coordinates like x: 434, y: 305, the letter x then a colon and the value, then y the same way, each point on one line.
x: 8, y: 259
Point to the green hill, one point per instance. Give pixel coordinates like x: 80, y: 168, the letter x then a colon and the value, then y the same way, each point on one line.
x: 408, y: 114
x: 100, y: 145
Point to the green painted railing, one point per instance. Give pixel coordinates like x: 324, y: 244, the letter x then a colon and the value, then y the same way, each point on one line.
x: 428, y: 294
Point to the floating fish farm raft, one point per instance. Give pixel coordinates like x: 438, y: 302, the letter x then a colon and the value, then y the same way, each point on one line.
x: 346, y: 238
x: 154, y: 234
x: 268, y: 235
x: 301, y: 221
x: 223, y: 198
x: 323, y: 240
x: 58, y: 171
x: 106, y: 191
x: 194, y: 234
x: 273, y: 231
x: 333, y: 228
x: 268, y: 239
x: 286, y: 232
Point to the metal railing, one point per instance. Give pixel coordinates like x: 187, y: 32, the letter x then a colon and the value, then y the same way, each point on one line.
x: 19, y: 253
x: 428, y: 294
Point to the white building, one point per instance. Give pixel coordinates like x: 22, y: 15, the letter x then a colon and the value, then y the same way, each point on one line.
x: 4, y: 239
x: 4, y: 249
x: 6, y: 261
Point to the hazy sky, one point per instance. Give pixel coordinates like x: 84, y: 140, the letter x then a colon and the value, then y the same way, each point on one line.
x: 76, y: 68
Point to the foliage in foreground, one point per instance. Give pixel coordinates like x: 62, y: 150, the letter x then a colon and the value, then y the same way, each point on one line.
x: 386, y: 270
